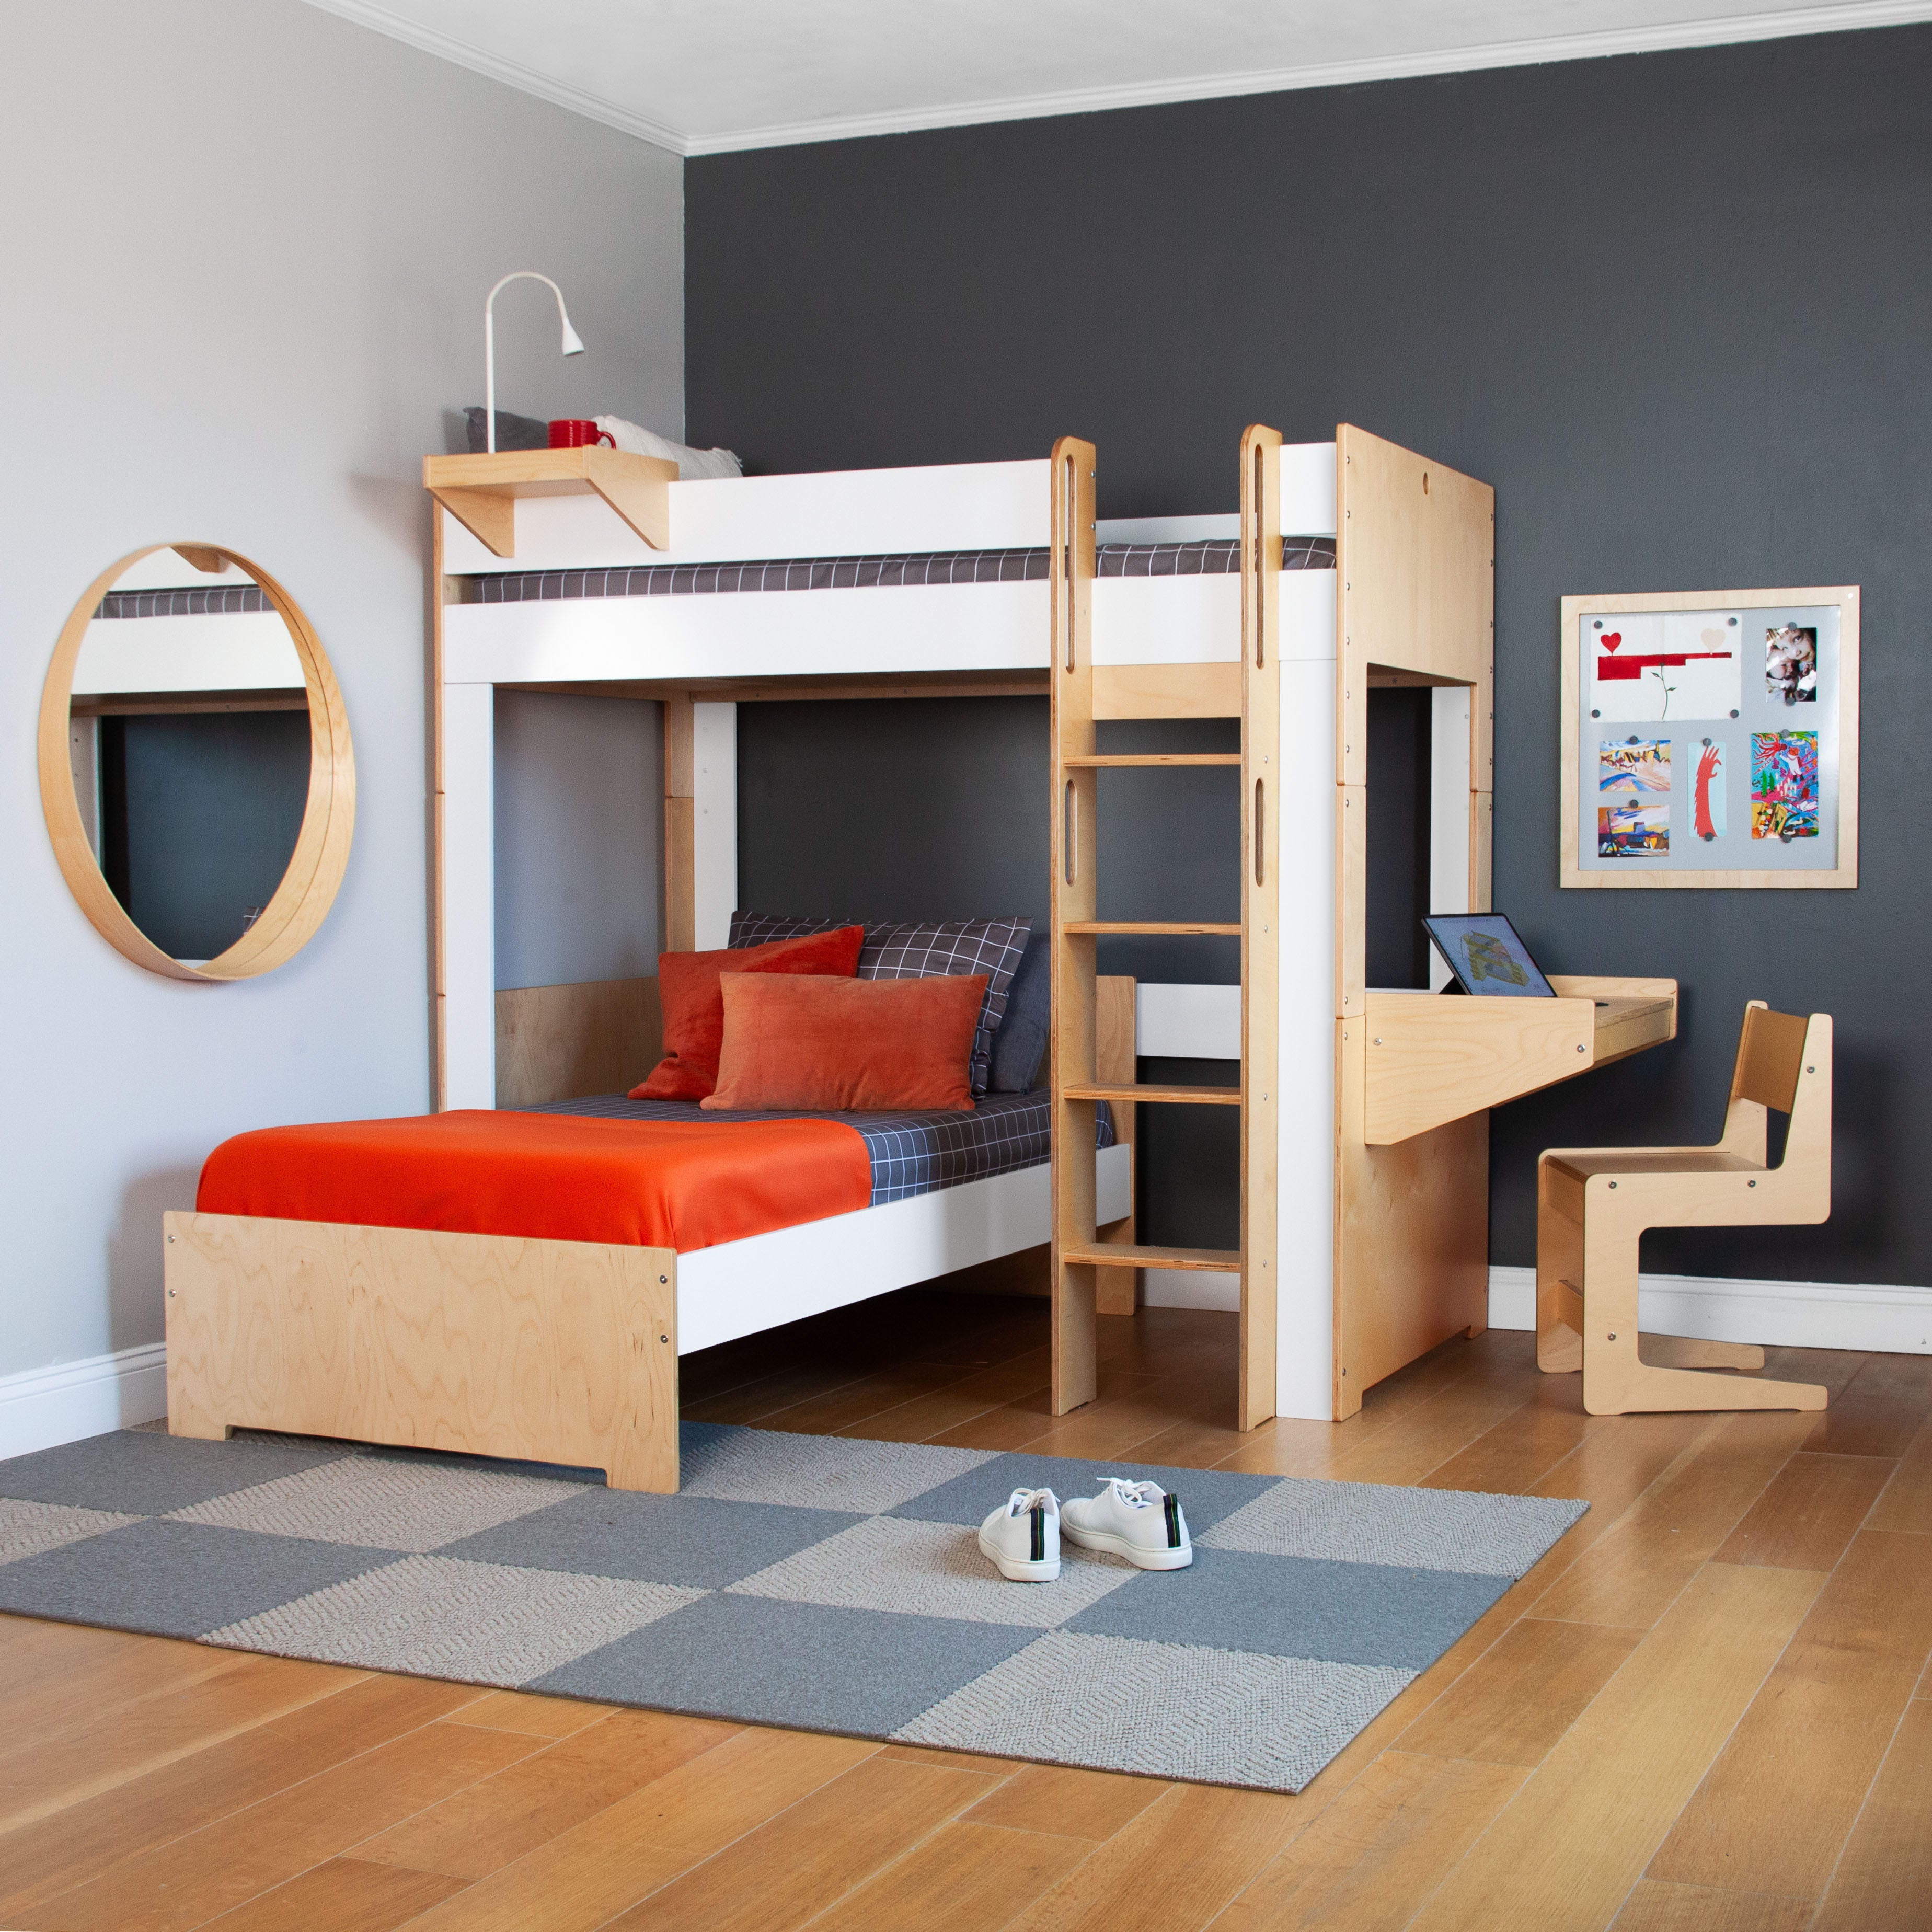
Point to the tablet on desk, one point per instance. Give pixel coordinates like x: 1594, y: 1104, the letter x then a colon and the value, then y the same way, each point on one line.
x: 1483, y: 951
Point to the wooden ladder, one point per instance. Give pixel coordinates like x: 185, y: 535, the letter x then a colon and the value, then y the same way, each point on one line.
x: 1080, y: 1252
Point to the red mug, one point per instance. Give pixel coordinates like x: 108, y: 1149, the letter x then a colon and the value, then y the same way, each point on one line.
x: 578, y: 433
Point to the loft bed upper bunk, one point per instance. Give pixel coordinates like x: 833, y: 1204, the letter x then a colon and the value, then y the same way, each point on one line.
x: 1364, y: 1173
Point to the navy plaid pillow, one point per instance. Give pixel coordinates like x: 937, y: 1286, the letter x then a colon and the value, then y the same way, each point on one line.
x: 921, y: 949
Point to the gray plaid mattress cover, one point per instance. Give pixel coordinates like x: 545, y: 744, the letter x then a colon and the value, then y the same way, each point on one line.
x: 1214, y: 558
x: 233, y: 600
x: 910, y: 1154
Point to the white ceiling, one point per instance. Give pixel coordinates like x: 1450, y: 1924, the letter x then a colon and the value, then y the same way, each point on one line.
x: 702, y: 76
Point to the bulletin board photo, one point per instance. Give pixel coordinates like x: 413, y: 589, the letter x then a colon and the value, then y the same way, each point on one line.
x: 1711, y: 739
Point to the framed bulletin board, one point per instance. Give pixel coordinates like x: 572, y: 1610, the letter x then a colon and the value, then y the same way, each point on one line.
x: 1711, y: 739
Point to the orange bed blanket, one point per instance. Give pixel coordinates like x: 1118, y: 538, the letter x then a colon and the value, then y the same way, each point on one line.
x: 550, y: 1177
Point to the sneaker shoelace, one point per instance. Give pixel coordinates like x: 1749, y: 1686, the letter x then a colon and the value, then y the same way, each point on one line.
x: 1149, y: 1495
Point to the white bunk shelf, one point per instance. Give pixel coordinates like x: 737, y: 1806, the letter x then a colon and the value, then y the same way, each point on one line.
x: 1163, y: 646
x: 481, y: 492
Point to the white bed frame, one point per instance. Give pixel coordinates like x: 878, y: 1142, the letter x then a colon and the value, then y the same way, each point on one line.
x: 995, y: 634
x: 569, y: 1348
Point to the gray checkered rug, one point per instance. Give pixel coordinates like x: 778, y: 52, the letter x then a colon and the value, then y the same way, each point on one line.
x: 816, y: 1582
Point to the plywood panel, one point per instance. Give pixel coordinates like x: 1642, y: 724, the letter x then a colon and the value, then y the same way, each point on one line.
x: 1073, y: 844
x: 558, y: 1352
x: 1262, y: 821
x: 1415, y: 557
x: 562, y: 1042
x: 1117, y: 1290
x: 1167, y: 691
x: 1431, y: 1060
x: 1412, y: 1240
x: 680, y: 921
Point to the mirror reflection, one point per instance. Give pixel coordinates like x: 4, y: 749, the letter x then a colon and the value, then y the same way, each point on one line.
x: 190, y: 744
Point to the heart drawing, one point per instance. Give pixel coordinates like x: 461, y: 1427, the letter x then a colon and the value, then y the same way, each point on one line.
x: 1611, y: 639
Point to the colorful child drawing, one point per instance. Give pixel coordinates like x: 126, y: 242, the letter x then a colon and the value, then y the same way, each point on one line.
x: 1784, y: 784
x: 1633, y: 765
x: 1632, y: 830
x: 1709, y: 819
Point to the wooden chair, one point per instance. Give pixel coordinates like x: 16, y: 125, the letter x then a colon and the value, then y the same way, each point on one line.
x: 1593, y: 1203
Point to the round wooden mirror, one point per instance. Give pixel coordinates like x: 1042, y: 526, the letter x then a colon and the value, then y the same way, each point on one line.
x: 196, y: 768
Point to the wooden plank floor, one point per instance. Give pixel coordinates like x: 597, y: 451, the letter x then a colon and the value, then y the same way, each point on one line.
x: 1709, y: 1707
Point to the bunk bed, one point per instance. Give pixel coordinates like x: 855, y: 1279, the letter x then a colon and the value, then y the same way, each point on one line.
x: 1364, y: 1167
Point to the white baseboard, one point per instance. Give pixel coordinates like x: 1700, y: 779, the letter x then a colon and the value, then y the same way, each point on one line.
x: 1189, y: 1287
x: 1781, y: 1314
x: 44, y: 1408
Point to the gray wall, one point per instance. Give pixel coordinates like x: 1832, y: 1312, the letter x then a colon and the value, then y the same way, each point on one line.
x: 579, y: 817
x: 246, y: 247
x: 1677, y: 308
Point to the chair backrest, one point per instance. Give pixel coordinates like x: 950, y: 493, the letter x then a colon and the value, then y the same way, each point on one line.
x: 1771, y: 1053
x: 1784, y: 1065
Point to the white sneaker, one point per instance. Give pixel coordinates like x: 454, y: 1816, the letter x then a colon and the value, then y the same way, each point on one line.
x: 1022, y: 1537
x: 1139, y: 1521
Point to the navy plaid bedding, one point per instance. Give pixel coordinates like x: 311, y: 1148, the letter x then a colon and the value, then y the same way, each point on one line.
x: 910, y: 1154
x: 190, y: 601
x: 919, y: 950
x: 1217, y: 557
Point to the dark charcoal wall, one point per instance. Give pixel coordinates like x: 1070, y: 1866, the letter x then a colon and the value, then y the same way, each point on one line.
x: 1677, y: 308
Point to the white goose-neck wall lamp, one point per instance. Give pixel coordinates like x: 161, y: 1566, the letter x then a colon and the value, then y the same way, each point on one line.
x: 573, y: 344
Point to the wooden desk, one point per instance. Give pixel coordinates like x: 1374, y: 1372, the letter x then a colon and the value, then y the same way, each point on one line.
x: 1431, y: 1059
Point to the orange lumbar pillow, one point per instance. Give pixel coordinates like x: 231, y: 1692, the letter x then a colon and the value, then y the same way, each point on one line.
x: 693, y: 1008
x: 862, y: 1045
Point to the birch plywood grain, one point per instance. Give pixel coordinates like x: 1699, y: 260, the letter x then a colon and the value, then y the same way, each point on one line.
x: 1431, y: 1060
x: 561, y: 1042
x: 1117, y: 1290
x: 1415, y: 547
x: 679, y: 909
x: 1262, y: 820
x: 1073, y: 843
x: 553, y: 1351
x: 1167, y: 691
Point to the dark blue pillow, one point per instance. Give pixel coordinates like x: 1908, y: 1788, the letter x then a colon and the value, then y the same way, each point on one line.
x: 1019, y: 1047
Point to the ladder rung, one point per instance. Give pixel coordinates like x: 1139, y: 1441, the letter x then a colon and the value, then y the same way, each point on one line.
x: 1120, y: 1254
x: 1105, y: 760
x: 1194, y: 1096
x: 1156, y: 926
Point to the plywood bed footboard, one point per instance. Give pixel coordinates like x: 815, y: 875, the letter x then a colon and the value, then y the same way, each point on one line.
x: 553, y: 1351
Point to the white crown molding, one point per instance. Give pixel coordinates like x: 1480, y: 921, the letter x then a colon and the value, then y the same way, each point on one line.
x: 1849, y: 16
x: 526, y: 80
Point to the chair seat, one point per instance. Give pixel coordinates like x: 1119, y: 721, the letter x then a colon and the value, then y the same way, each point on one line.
x: 1580, y: 1163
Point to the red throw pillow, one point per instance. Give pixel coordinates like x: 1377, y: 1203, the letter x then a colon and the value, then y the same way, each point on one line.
x: 858, y: 1045
x: 693, y: 1008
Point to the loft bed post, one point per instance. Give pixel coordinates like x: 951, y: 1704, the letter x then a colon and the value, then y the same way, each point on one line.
x: 1414, y: 563
x: 678, y: 925
x: 1261, y: 858
x: 438, y: 933
x: 1072, y: 1048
